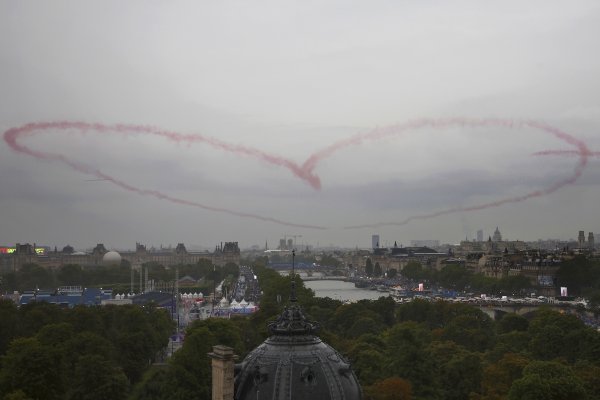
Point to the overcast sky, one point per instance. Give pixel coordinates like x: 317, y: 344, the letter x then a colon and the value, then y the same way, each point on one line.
x: 267, y: 85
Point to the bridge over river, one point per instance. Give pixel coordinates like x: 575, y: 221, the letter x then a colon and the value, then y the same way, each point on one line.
x: 326, y: 278
x: 495, y: 309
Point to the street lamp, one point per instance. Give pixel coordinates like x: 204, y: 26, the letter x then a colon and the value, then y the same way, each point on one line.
x: 293, y: 298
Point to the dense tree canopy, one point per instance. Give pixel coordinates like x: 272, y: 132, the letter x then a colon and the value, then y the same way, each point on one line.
x: 79, y: 353
x: 417, y: 350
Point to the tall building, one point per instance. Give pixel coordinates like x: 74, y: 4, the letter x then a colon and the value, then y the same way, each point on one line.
x: 374, y: 241
x: 497, y: 235
x: 591, y: 243
x: 480, y: 235
x: 581, y: 239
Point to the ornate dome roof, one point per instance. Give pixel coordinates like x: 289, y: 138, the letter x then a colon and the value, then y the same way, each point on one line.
x: 294, y: 363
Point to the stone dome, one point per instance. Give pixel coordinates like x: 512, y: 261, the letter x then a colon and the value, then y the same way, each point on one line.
x: 294, y: 363
x: 111, y: 258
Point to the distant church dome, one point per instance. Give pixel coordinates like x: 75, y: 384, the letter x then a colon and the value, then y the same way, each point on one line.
x: 293, y: 363
x: 111, y: 258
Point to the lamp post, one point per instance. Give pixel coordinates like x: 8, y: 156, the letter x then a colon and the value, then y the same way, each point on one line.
x: 293, y: 298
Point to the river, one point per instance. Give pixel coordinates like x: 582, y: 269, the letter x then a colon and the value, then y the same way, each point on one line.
x: 340, y: 290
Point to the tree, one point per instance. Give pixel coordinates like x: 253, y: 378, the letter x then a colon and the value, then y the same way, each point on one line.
x: 33, y: 369
x: 87, y: 344
x: 406, y: 358
x: 474, y: 332
x: 458, y: 370
x: 556, y: 335
x: 367, y: 361
x: 514, y: 284
x: 369, y: 267
x: 155, y: 385
x: 189, y: 372
x: 35, y: 315
x: 364, y: 325
x: 392, y: 273
x: 579, y: 274
x: 55, y: 335
x: 512, y: 322
x: 512, y: 342
x: 390, y: 389
x: 32, y: 276
x: 377, y: 271
x: 8, y: 326
x: 418, y: 310
x: 547, y: 380
x: 413, y: 270
x: 70, y: 274
x: 17, y: 395
x: 454, y: 276
x: 498, y: 377
x: 96, y: 378
x: 590, y: 376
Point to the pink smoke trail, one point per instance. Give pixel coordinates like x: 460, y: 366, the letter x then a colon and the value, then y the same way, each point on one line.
x: 583, y: 152
x: 565, y: 153
x: 128, y: 130
x: 400, y: 129
x: 304, y: 172
x: 11, y: 136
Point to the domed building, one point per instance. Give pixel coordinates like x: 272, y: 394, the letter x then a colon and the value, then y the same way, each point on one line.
x: 293, y: 363
x: 111, y: 258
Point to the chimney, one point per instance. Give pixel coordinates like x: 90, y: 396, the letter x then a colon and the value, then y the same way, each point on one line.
x: 223, y: 365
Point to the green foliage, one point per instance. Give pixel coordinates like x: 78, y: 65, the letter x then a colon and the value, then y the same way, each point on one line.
x: 498, y: 377
x: 547, y: 380
x: 31, y: 367
x: 454, y: 276
x: 458, y: 371
x: 369, y: 267
x: 96, y: 378
x: 155, y: 385
x: 9, y: 324
x: 406, y: 358
x: 189, y: 373
x: 377, y: 271
x: 17, y: 395
x: 590, y: 376
x: 512, y: 322
x: 421, y: 349
x: 330, y: 261
x: 80, y: 353
x: 32, y: 276
x: 413, y: 270
x: 390, y: 389
x: 368, y: 358
x: 555, y: 335
x: 512, y: 342
x: 70, y: 275
x: 514, y: 284
x: 580, y: 275
x: 474, y: 331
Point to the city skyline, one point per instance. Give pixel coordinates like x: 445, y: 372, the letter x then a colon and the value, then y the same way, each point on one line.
x: 300, y: 243
x: 189, y: 122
